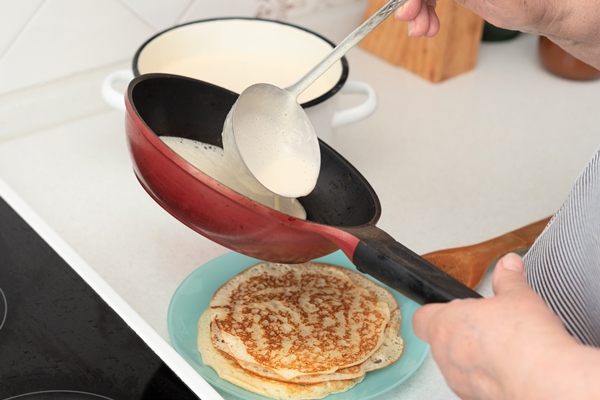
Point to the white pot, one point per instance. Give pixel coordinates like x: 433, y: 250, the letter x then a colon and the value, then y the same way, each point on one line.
x: 235, y: 53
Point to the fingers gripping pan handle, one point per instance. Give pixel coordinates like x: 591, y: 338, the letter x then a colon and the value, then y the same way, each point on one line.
x: 379, y: 255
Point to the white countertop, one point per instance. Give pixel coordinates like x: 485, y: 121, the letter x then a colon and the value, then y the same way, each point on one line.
x: 453, y: 163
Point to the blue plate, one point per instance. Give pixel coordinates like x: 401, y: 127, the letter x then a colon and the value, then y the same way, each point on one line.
x: 193, y: 296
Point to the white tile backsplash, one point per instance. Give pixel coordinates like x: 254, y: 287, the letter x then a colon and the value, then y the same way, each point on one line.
x: 70, y: 36
x: 272, y: 9
x: 14, y: 15
x: 159, y: 14
x: 47, y: 45
x: 204, y: 9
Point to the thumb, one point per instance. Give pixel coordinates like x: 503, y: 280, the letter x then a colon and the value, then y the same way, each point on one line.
x: 509, y: 275
x: 408, y: 11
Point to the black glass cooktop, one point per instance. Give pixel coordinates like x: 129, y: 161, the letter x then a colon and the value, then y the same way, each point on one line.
x: 59, y: 339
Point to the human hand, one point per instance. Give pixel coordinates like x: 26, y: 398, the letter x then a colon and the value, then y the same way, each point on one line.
x: 510, y: 14
x: 572, y: 24
x: 421, y: 17
x: 500, y: 347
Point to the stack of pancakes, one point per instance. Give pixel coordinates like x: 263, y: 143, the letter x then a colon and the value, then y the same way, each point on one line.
x: 301, y: 331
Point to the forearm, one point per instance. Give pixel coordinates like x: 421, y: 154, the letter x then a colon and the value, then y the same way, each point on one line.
x: 572, y: 24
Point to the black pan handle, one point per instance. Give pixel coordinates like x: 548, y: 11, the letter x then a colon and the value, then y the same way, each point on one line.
x: 382, y: 257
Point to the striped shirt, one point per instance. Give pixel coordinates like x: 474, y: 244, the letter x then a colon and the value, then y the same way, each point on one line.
x: 563, y: 265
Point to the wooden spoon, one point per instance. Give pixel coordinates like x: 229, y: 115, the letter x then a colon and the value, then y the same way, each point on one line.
x: 468, y: 264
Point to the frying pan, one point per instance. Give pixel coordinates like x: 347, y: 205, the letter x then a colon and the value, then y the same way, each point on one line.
x: 341, y: 211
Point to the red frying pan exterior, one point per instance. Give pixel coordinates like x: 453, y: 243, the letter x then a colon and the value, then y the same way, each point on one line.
x: 342, y: 210
x: 219, y: 213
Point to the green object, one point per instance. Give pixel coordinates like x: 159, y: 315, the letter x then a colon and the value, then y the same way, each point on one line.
x: 492, y: 33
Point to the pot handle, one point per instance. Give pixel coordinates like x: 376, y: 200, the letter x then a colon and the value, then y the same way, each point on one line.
x: 359, y: 112
x: 112, y: 96
x: 381, y: 256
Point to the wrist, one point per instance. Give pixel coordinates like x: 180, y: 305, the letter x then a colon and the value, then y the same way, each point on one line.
x: 572, y: 24
x: 588, y: 52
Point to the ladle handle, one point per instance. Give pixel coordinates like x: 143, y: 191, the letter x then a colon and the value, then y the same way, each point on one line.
x: 381, y: 256
x: 341, y: 49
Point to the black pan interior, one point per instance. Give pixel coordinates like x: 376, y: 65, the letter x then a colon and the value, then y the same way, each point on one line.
x: 172, y: 105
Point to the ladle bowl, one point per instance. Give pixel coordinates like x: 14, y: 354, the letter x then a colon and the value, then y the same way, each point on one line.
x: 342, y: 210
x: 283, y: 161
x: 272, y: 134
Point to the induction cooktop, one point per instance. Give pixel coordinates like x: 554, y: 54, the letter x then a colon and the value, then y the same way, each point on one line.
x: 61, y: 339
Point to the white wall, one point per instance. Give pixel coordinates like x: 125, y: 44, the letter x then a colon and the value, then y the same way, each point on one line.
x: 46, y: 40
x: 53, y: 50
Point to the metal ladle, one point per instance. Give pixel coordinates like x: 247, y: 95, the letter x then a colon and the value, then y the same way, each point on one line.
x: 269, y: 134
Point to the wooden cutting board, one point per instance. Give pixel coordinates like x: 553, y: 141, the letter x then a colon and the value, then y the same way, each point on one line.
x: 451, y: 52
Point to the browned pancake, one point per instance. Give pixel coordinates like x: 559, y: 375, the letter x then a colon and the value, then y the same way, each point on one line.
x: 389, y: 352
x: 379, y: 291
x: 230, y: 371
x: 298, y: 320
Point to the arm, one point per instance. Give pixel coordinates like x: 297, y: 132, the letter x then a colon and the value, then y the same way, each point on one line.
x: 572, y: 24
x: 510, y: 346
